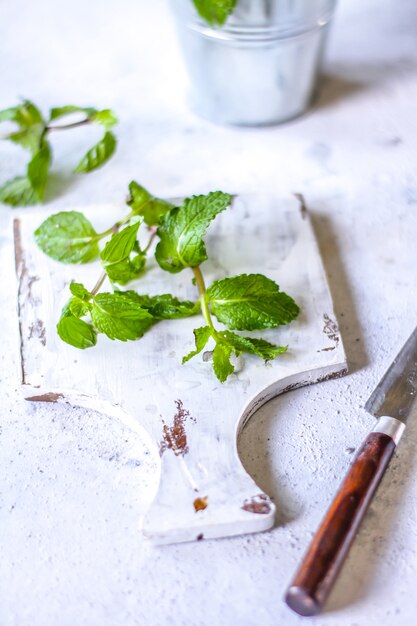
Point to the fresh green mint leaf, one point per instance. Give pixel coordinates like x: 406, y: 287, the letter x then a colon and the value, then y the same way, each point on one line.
x: 30, y: 138
x: 249, y: 302
x: 79, y: 304
x: 74, y: 331
x: 167, y: 307
x: 181, y: 244
x: 38, y: 169
x: 163, y: 307
x: 116, y: 255
x: 78, y: 307
x: 143, y: 203
x: 121, y: 244
x: 105, y: 118
x: 215, y: 12
x: 221, y: 361
x: 119, y: 318
x: 267, y: 351
x: 59, y: 112
x: 68, y: 237
x: 127, y: 270
x: 8, y: 115
x: 201, y: 337
x: 98, y: 154
x: 25, y: 114
x: 18, y: 192
x: 78, y: 290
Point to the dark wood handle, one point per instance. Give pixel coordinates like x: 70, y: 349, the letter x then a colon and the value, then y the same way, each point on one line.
x: 312, y: 583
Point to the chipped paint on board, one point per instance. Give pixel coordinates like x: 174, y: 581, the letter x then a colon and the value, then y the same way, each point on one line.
x: 259, y: 504
x: 200, y: 504
x: 175, y: 436
x: 331, y: 330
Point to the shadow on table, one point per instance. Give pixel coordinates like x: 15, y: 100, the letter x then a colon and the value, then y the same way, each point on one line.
x: 344, y: 82
x: 333, y: 88
x: 58, y: 185
x: 344, y: 302
x: 252, y: 447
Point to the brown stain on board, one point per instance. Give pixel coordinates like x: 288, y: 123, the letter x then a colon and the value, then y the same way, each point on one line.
x: 47, y: 397
x: 331, y: 330
x: 37, y: 329
x: 21, y: 272
x: 25, y: 282
x: 175, y: 436
x: 259, y: 504
x: 200, y: 504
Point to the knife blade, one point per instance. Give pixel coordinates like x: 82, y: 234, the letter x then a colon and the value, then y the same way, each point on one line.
x: 392, y: 402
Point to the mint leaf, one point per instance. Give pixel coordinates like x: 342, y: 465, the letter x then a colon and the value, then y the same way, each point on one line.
x: 249, y: 302
x: 116, y: 259
x: 105, y: 118
x: 18, y: 192
x: 78, y: 290
x: 267, y: 351
x: 74, y: 331
x: 201, y: 337
x: 38, y: 169
x: 25, y: 191
x: 163, y: 307
x: 29, y: 138
x: 79, y: 304
x: 215, y: 12
x: 181, y: 244
x: 119, y: 318
x: 143, y: 203
x: 25, y: 114
x: 221, y: 361
x: 126, y: 271
x: 121, y: 244
x: 78, y: 307
x: 68, y: 237
x: 58, y: 112
x: 98, y: 154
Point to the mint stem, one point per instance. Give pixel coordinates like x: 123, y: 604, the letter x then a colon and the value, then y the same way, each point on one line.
x: 115, y: 227
x: 65, y: 126
x: 199, y: 279
x: 98, y: 284
x: 151, y: 238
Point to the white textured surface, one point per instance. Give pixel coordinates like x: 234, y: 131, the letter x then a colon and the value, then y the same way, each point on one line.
x: 75, y: 484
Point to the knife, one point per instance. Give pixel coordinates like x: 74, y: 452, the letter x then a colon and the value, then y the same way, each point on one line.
x: 391, y: 402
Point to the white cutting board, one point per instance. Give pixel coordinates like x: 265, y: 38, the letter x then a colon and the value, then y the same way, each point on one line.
x: 191, y: 418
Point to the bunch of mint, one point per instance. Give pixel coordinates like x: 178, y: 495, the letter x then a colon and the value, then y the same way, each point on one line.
x: 33, y: 132
x: 246, y: 302
x: 215, y: 12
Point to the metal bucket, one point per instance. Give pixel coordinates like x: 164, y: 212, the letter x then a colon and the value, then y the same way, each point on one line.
x: 261, y: 66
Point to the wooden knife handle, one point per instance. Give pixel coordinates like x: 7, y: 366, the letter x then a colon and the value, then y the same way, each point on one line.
x: 312, y: 583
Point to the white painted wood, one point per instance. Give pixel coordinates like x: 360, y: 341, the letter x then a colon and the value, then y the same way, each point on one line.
x: 144, y: 384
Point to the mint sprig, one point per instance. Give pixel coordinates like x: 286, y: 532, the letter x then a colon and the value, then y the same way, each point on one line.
x: 245, y: 302
x: 215, y: 12
x: 32, y: 134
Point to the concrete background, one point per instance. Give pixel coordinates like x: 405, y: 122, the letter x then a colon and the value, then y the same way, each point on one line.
x: 74, y: 484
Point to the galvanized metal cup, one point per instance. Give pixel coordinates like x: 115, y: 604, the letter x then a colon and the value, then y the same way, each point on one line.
x: 261, y: 66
